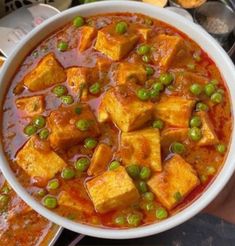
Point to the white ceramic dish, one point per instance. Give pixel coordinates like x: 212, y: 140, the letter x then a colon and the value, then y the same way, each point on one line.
x: 196, y: 33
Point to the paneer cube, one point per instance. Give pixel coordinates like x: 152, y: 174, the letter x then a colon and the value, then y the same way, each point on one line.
x: 79, y: 79
x: 112, y: 190
x: 141, y: 147
x: 125, y: 109
x: 113, y: 45
x: 103, y: 65
x: 87, y: 35
x: 62, y: 123
x: 47, y: 73
x: 31, y: 106
x: 169, y: 46
x: 171, y: 135
x: 130, y: 72
x: 144, y: 32
x: 37, y: 162
x: 176, y: 111
x: 208, y: 134
x: 67, y: 200
x: 100, y: 159
x: 176, y: 181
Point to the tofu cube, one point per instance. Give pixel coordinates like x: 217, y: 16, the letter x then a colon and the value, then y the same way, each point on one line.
x: 130, y: 72
x: 114, y: 45
x: 62, y: 123
x: 38, y: 163
x: 169, y: 46
x: 176, y: 111
x: 112, y: 190
x: 176, y: 181
x: 125, y: 110
x: 87, y: 35
x: 46, y: 74
x: 141, y: 147
x: 100, y: 159
x: 79, y: 79
x: 74, y: 202
x: 208, y: 134
x: 31, y: 106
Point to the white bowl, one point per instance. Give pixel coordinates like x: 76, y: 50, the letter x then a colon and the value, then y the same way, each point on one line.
x: 207, y: 43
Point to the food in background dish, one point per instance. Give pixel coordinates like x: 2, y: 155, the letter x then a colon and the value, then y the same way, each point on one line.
x: 189, y: 4
x: 117, y: 120
x: 1, y: 61
x: 159, y: 3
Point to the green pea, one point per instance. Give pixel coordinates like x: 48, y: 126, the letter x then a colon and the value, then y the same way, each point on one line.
x: 214, y: 82
x: 4, y: 200
x: 5, y: 189
x: 120, y: 220
x: 154, y: 94
x: 82, y: 164
x: 53, y: 184
x: 203, y: 178
x: 178, y: 196
x: 195, y: 121
x: 78, y: 110
x: 149, y: 206
x: 134, y: 219
x: 210, y: 170
x: 44, y: 133
x: 50, y: 202
x: 216, y: 97
x: 142, y: 186
x: 67, y: 99
x: 166, y: 78
x: 161, y: 213
x: 149, y: 71
x: 67, y: 173
x: 143, y: 94
x: 178, y: 148
x: 201, y: 107
x: 170, y: 88
x: 158, y: 124
x: 83, y: 125
x: 29, y: 130
x: 94, y: 89
x: 158, y: 86
x: 195, y: 134
x: 78, y: 21
x: 90, y: 143
x: 148, y: 196
x: 145, y: 173
x: 35, y: 53
x: 114, y: 164
x: 42, y: 192
x: 39, y: 121
x: 221, y: 148
x: 143, y: 49
x: 148, y: 21
x: 133, y: 171
x: 121, y: 27
x: 196, y: 89
x: 209, y: 89
x: 191, y: 66
x: 60, y: 90
x: 62, y: 46
x: 197, y: 57
x: 146, y: 58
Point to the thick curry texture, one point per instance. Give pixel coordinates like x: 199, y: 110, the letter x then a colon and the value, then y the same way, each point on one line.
x: 121, y: 122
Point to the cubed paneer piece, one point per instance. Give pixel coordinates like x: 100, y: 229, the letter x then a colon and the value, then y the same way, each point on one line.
x: 144, y: 32
x: 141, y: 147
x: 208, y: 134
x: 125, y: 109
x: 169, y: 46
x: 176, y: 111
x: 79, y: 79
x: 130, y: 72
x: 100, y: 159
x: 176, y: 181
x: 87, y: 35
x: 103, y: 65
x: 31, y: 106
x: 171, y: 135
x: 47, y: 73
x: 70, y: 201
x: 37, y: 162
x: 62, y: 123
x: 112, y: 190
x: 114, y: 45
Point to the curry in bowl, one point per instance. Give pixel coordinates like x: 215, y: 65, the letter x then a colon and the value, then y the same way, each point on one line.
x: 116, y: 120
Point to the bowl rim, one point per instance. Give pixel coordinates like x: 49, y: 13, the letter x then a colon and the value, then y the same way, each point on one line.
x: 196, y: 33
